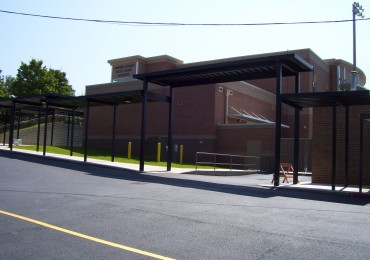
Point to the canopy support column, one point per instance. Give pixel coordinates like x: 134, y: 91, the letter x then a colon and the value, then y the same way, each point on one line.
x: 52, y: 128
x: 114, y: 132
x: 334, y: 146
x: 38, y: 130
x: 86, y: 129
x: 11, y: 126
x: 346, y: 176
x: 19, y: 123
x: 279, y: 73
x: 4, y: 122
x: 170, y: 130
x: 360, y: 177
x: 143, y: 124
x: 45, y: 129
x: 68, y: 128
x: 296, y: 132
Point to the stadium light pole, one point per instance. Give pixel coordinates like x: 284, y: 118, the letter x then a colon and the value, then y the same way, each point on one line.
x: 357, y: 10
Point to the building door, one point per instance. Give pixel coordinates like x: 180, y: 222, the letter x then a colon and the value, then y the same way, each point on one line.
x: 254, y: 149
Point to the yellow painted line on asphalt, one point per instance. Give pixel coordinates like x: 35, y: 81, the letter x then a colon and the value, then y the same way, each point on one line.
x: 98, y: 240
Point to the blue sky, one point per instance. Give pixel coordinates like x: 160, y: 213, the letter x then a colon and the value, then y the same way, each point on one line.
x: 81, y: 49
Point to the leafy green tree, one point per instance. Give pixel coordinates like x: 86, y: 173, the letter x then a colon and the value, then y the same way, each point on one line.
x: 5, y: 82
x: 2, y: 86
x: 34, y: 78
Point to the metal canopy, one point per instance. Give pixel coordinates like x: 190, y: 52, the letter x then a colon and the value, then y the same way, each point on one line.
x: 109, y: 99
x: 325, y: 99
x: 333, y: 99
x: 63, y: 101
x: 246, y: 68
x: 35, y: 100
x: 47, y: 102
x: 230, y: 70
x: 29, y: 102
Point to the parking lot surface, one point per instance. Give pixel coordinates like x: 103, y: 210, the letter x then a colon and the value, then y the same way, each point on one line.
x: 51, y: 209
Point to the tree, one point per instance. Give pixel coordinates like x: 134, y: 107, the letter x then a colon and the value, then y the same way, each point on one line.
x: 5, y: 82
x: 2, y: 86
x: 34, y: 78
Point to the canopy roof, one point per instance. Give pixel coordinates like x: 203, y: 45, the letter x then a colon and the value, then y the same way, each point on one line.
x: 71, y: 102
x: 326, y: 99
x: 237, y: 69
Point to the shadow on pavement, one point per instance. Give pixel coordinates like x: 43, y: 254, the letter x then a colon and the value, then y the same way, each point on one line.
x: 120, y: 173
x: 220, y: 173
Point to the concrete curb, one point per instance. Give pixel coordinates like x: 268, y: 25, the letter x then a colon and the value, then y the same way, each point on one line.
x: 318, y: 190
x: 298, y: 187
x: 54, y: 158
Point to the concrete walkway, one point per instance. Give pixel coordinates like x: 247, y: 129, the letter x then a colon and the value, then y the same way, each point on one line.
x: 326, y: 188
x: 223, y: 176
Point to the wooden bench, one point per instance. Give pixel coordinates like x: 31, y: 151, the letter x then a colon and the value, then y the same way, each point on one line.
x: 286, y: 171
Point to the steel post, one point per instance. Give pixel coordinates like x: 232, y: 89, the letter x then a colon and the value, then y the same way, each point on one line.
x: 170, y: 130
x: 11, y: 126
x: 52, y: 128
x: 68, y: 128
x: 38, y: 130
x: 334, y: 145
x: 19, y: 123
x: 346, y: 149
x: 143, y: 124
x: 278, y: 124
x: 72, y: 132
x: 114, y: 132
x: 45, y: 129
x: 86, y: 129
x: 296, y: 132
x: 361, y: 153
x: 4, y: 121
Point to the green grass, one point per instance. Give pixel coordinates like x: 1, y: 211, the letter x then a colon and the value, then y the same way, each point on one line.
x: 101, y: 154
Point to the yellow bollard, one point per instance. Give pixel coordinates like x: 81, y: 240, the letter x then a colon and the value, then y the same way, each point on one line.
x: 129, y: 151
x: 159, y: 152
x: 181, y: 153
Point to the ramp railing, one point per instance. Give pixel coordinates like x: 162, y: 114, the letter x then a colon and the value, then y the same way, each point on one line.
x: 227, y: 161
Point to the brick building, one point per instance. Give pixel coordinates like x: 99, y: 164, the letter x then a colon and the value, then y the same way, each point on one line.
x: 322, y: 146
x: 232, y: 118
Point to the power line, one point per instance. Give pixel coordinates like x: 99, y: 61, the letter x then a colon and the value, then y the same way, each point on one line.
x: 175, y: 24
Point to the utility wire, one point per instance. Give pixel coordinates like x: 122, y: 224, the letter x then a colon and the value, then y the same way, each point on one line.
x: 175, y: 24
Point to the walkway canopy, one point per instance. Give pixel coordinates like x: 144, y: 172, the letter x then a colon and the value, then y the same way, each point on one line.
x: 333, y: 99
x: 229, y: 70
x: 47, y: 104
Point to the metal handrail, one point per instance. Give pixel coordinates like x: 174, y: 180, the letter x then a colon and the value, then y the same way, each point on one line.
x: 229, y: 163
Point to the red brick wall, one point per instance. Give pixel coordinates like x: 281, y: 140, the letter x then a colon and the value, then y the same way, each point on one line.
x: 322, y: 145
x: 304, y: 127
x: 194, y: 110
x: 233, y: 140
x: 193, y: 126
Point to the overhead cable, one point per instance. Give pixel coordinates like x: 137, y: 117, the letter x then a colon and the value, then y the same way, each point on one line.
x: 175, y: 24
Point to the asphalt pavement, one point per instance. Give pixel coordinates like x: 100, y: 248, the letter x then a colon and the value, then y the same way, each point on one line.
x: 52, y: 209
